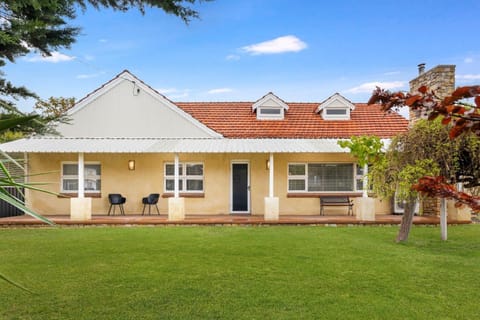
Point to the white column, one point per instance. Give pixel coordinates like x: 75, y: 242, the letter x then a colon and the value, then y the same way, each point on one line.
x: 176, y: 205
x: 81, y: 207
x: 81, y: 176
x: 443, y: 218
x: 270, y: 178
x: 176, y: 177
x: 365, y: 181
x: 271, y: 203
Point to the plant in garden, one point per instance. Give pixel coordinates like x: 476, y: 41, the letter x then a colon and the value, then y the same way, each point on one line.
x: 367, y: 150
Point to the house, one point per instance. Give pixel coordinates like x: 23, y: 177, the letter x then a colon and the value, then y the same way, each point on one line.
x: 268, y: 157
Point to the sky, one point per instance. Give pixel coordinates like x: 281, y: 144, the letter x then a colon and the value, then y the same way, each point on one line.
x: 302, y: 50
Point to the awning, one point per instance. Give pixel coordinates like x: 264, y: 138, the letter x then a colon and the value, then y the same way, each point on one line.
x: 173, y: 145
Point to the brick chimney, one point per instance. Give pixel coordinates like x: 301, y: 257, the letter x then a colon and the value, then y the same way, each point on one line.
x: 442, y: 80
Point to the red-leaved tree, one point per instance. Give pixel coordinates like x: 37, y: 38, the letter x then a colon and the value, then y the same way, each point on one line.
x: 462, y: 117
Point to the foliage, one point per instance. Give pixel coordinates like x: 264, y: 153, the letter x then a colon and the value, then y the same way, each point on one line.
x: 367, y: 149
x: 178, y: 8
x: 44, y: 26
x: 7, y: 136
x: 461, y: 118
x: 452, y: 109
x: 54, y: 108
x: 394, y: 175
x: 437, y: 185
x: 240, y: 273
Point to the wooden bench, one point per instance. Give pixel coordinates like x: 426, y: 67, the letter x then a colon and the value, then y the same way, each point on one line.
x: 336, y: 201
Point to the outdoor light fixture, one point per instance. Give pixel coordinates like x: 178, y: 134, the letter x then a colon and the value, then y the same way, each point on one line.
x: 267, y: 165
x: 131, y: 165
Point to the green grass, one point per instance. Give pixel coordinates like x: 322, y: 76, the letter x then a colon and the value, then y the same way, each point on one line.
x: 240, y: 273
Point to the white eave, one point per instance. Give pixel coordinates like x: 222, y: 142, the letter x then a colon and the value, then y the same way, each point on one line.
x: 270, y: 97
x: 335, y: 98
x: 173, y: 145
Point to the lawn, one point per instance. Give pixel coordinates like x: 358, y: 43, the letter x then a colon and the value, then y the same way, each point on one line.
x: 240, y: 273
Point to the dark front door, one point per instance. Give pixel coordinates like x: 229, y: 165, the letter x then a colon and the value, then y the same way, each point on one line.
x: 240, y: 188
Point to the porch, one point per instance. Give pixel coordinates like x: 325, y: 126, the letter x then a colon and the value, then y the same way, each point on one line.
x: 224, y: 220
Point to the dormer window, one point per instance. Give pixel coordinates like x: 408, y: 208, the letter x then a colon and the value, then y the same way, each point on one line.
x: 335, y: 108
x: 270, y: 107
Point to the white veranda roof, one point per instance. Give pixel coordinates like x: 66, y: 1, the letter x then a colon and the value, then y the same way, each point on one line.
x: 172, y: 145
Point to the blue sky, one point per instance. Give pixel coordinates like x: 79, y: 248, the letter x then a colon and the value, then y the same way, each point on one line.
x: 303, y: 50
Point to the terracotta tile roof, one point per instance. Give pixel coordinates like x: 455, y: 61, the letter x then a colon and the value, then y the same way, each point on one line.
x: 236, y: 120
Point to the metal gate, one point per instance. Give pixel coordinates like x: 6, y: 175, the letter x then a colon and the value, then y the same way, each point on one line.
x: 6, y: 209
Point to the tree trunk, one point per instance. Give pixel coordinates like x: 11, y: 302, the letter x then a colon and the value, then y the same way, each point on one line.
x: 407, y: 220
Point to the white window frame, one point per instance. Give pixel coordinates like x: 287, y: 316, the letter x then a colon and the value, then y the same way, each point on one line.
x: 86, y: 176
x: 345, y: 116
x: 262, y: 116
x: 305, y: 177
x: 183, y: 177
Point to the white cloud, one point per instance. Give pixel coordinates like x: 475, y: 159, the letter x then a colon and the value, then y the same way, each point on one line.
x: 368, y: 87
x: 90, y: 75
x: 277, y: 45
x: 54, y: 58
x: 219, y: 90
x: 102, y: 40
x: 468, y: 60
x: 467, y: 77
x: 232, y: 57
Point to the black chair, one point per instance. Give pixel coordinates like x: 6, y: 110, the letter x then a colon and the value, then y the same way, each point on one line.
x: 116, y: 199
x: 151, y: 200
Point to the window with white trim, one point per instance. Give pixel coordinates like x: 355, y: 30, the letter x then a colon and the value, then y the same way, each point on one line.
x: 330, y: 113
x: 270, y: 113
x: 92, y: 177
x: 360, y: 178
x: 190, y: 177
x: 321, y: 177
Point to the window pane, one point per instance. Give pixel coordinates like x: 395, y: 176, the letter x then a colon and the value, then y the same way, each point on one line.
x: 315, y: 176
x: 330, y: 177
x: 296, y: 185
x: 270, y: 111
x: 359, y: 184
x: 92, y: 184
x: 92, y: 170
x: 296, y: 169
x: 336, y: 111
x: 169, y: 169
x: 70, y: 184
x: 170, y: 185
x: 194, y: 169
x: 70, y: 169
x: 359, y: 170
x: 194, y: 185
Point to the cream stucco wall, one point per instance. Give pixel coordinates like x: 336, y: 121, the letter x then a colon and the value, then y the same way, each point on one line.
x: 148, y: 177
